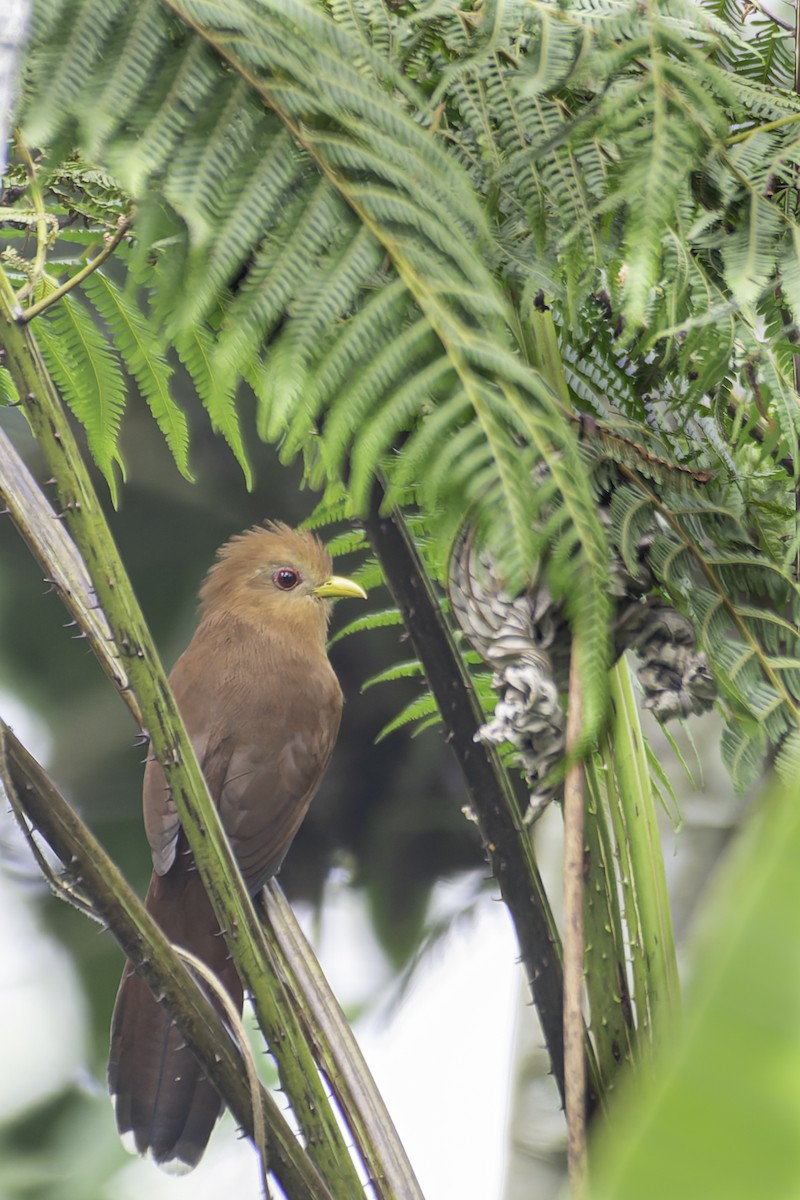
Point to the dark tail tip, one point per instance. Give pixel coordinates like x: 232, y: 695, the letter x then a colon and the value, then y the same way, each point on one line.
x: 165, y: 1106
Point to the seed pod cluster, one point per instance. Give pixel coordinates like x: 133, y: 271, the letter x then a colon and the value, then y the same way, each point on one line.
x: 525, y: 639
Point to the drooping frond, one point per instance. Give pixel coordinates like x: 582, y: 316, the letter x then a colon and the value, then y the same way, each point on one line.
x: 107, y: 332
x: 88, y: 374
x: 426, y: 238
x: 138, y: 344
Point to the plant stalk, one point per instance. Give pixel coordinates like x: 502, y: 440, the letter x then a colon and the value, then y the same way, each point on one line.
x: 574, y: 862
x: 35, y: 800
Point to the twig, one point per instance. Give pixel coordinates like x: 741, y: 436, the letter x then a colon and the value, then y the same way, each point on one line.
x: 23, y: 315
x: 41, y: 217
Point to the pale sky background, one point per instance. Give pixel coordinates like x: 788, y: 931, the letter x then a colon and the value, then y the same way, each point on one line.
x: 441, y: 1056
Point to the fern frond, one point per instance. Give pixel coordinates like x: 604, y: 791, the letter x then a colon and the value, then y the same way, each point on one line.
x: 422, y: 712
x: 138, y: 45
x: 351, y: 541
x: 164, y: 112
x: 743, y: 746
x: 382, y: 310
x: 143, y: 353
x: 404, y: 670
x: 372, y: 239
x: 373, y: 620
x: 74, y: 35
x: 8, y: 392
x: 309, y: 226
x: 195, y: 347
x: 787, y: 762
x: 87, y: 372
x: 752, y: 649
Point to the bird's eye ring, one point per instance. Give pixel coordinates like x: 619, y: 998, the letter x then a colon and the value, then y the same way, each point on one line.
x: 286, y: 578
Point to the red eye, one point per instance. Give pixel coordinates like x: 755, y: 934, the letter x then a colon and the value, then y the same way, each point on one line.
x: 286, y: 578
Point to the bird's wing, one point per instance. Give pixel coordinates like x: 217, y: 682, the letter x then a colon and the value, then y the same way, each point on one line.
x: 263, y: 750
x: 199, y: 702
x: 268, y: 788
x: 161, y: 820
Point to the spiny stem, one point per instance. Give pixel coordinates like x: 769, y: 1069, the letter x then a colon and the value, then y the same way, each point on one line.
x: 38, y: 805
x: 574, y: 1057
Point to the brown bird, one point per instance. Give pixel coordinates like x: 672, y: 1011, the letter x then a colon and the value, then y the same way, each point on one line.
x: 262, y: 706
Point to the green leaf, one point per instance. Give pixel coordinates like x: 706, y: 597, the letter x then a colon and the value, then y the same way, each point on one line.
x: 404, y: 670
x: 787, y: 761
x: 377, y: 620
x: 423, y: 709
x: 195, y: 347
x: 87, y: 372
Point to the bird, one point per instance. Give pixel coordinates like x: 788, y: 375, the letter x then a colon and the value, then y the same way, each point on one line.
x: 262, y: 707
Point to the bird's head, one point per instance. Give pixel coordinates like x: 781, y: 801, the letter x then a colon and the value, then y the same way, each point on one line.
x: 276, y: 575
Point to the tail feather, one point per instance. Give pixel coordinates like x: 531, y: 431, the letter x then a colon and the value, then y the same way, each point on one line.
x: 164, y: 1104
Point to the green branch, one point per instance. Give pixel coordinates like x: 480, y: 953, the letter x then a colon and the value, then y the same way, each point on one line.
x: 656, y: 990
x: 336, y: 1049
x: 35, y: 800
x: 574, y: 940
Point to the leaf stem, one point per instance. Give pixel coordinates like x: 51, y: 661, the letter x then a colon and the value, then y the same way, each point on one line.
x: 37, y: 268
x: 23, y: 315
x: 338, y: 1051
x: 605, y: 953
x: 655, y: 967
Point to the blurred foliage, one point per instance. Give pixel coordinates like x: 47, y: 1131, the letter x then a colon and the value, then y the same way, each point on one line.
x: 718, y: 1114
x: 76, y: 1159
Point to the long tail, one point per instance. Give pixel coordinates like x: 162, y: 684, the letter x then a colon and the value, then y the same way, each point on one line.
x: 165, y: 1106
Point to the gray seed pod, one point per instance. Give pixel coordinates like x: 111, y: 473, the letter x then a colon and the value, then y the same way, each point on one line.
x: 674, y: 676
x: 514, y: 634
x: 526, y: 640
